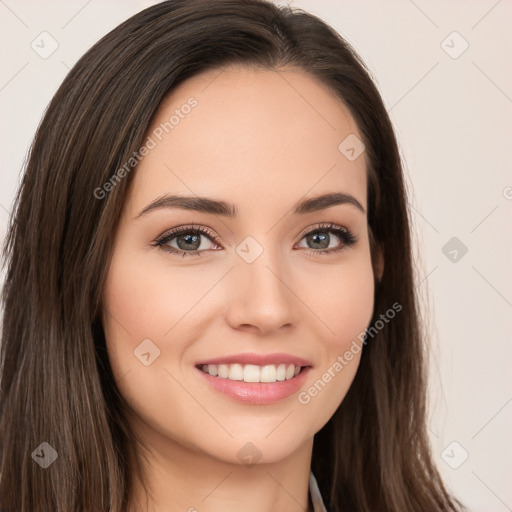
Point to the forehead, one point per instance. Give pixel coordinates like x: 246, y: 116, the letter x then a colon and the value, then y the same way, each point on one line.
x: 254, y: 137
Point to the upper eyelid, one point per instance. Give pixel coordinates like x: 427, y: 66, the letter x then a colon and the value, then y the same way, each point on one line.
x: 323, y: 225
x: 173, y: 232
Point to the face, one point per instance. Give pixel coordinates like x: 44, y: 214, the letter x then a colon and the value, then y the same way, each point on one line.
x: 269, y: 291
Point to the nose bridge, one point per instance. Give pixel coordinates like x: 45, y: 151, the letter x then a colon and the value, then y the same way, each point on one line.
x: 261, y: 294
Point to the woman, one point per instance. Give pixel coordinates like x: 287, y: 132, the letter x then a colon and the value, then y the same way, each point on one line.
x: 282, y: 370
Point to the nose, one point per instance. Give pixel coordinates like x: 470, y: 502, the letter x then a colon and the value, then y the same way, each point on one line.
x: 261, y: 297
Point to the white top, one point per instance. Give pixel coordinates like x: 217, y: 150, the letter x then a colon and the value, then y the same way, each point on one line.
x: 316, y: 497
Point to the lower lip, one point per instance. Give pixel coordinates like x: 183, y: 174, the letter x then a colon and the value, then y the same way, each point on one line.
x: 256, y: 392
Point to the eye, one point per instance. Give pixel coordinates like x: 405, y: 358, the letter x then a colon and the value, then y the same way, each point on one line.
x: 320, y: 238
x: 188, y: 240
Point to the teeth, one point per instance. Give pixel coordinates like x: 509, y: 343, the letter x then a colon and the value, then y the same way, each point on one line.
x: 236, y: 372
x: 268, y: 373
x: 281, y: 372
x: 252, y: 372
x: 223, y: 371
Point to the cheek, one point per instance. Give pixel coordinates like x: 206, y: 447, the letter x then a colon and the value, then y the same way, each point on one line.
x: 134, y: 311
x: 147, y: 299
x: 354, y: 305
x: 345, y: 308
x: 341, y: 298
x: 145, y: 313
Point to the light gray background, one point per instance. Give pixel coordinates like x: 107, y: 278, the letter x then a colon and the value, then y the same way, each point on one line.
x: 452, y: 115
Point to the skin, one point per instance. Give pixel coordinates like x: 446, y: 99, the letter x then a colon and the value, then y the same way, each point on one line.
x: 261, y: 140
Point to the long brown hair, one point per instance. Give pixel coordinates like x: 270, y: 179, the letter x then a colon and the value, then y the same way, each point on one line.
x: 56, y: 383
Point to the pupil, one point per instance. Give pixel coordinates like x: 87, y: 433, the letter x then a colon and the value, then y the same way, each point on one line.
x: 189, y: 239
x: 324, y: 240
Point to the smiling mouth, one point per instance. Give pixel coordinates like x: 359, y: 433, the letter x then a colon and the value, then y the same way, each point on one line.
x: 252, y: 373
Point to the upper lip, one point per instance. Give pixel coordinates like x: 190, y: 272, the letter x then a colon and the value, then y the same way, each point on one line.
x: 258, y: 359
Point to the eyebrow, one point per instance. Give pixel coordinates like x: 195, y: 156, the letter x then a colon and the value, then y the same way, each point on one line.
x: 214, y: 207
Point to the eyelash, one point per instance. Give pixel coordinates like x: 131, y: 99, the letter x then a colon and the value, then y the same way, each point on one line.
x: 347, y: 238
